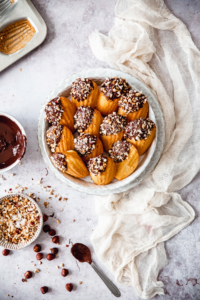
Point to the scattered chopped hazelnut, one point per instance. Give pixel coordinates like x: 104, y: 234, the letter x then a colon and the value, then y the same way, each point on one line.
x: 36, y: 271
x: 12, y: 174
x: 57, y: 267
x: 58, y: 221
x: 51, y: 192
x: 65, y: 199
x: 80, y: 282
x: 62, y: 265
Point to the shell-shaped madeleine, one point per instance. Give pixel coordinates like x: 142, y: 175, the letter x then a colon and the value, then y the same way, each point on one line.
x: 96, y: 152
x: 105, y: 105
x: 107, y: 176
x: 141, y: 113
x: 108, y: 140
x: 143, y: 145
x: 66, y: 141
x: 93, y: 128
x: 75, y: 165
x: 126, y: 167
x: 68, y: 114
x: 91, y: 99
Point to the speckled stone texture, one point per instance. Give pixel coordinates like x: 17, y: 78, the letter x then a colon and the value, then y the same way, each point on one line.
x: 65, y: 51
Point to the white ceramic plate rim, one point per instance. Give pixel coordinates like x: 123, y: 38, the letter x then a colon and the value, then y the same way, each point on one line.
x: 147, y: 166
x: 37, y: 233
x: 23, y: 132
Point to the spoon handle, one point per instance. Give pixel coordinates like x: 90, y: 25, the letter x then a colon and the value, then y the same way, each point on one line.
x: 114, y: 290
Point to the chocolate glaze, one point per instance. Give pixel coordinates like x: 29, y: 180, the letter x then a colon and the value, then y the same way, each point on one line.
x: 81, y: 252
x: 12, y: 142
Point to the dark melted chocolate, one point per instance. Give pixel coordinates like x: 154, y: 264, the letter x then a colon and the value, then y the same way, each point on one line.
x: 12, y: 142
x: 81, y: 252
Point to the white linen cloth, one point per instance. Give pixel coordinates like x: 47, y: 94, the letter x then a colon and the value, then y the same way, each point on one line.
x: 149, y: 42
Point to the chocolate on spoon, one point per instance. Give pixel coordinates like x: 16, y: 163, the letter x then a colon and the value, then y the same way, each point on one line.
x: 82, y: 253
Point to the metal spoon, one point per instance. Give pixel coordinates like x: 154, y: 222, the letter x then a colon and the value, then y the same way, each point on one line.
x: 82, y: 253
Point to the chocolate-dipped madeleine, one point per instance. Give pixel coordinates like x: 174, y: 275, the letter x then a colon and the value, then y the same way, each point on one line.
x: 102, y: 169
x: 141, y: 133
x: 84, y: 92
x: 61, y: 110
x: 87, y: 120
x: 59, y: 138
x: 126, y: 158
x: 112, y: 129
x: 88, y: 146
x: 111, y: 91
x: 133, y: 105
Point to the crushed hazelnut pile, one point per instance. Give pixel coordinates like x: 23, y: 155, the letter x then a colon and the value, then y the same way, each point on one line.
x: 114, y: 88
x: 54, y: 110
x: 119, y: 151
x: 53, y: 135
x: 132, y: 101
x: 84, y: 144
x: 83, y: 118
x: 81, y: 88
x: 58, y: 160
x: 19, y: 220
x: 139, y: 129
x: 112, y: 124
x: 97, y: 164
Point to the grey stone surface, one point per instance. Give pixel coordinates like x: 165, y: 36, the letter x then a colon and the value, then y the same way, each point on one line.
x: 22, y: 93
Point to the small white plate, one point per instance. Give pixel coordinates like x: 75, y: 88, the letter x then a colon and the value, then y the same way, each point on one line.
x: 37, y: 233
x: 147, y: 161
x: 24, y: 9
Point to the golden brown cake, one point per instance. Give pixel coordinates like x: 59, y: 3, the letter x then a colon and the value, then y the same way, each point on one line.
x: 61, y: 110
x: 112, y: 129
x: 141, y: 133
x: 87, y: 120
x: 126, y: 158
x: 88, y: 146
x: 133, y: 105
x: 111, y: 91
x: 70, y: 162
x: 60, y: 138
x: 84, y: 92
x: 102, y: 169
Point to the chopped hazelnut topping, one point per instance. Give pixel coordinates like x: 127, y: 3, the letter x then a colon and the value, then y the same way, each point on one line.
x: 132, y: 101
x: 112, y: 124
x: 54, y: 111
x: 83, y: 118
x: 53, y: 135
x: 139, y: 129
x: 81, y: 88
x: 119, y: 151
x: 85, y: 144
x: 114, y: 88
x: 97, y: 164
x: 59, y: 161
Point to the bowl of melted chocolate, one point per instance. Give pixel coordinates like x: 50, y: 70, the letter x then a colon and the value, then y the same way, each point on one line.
x: 12, y: 142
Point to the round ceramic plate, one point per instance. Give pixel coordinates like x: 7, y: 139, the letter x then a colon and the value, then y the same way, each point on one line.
x: 147, y: 161
x: 37, y: 233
